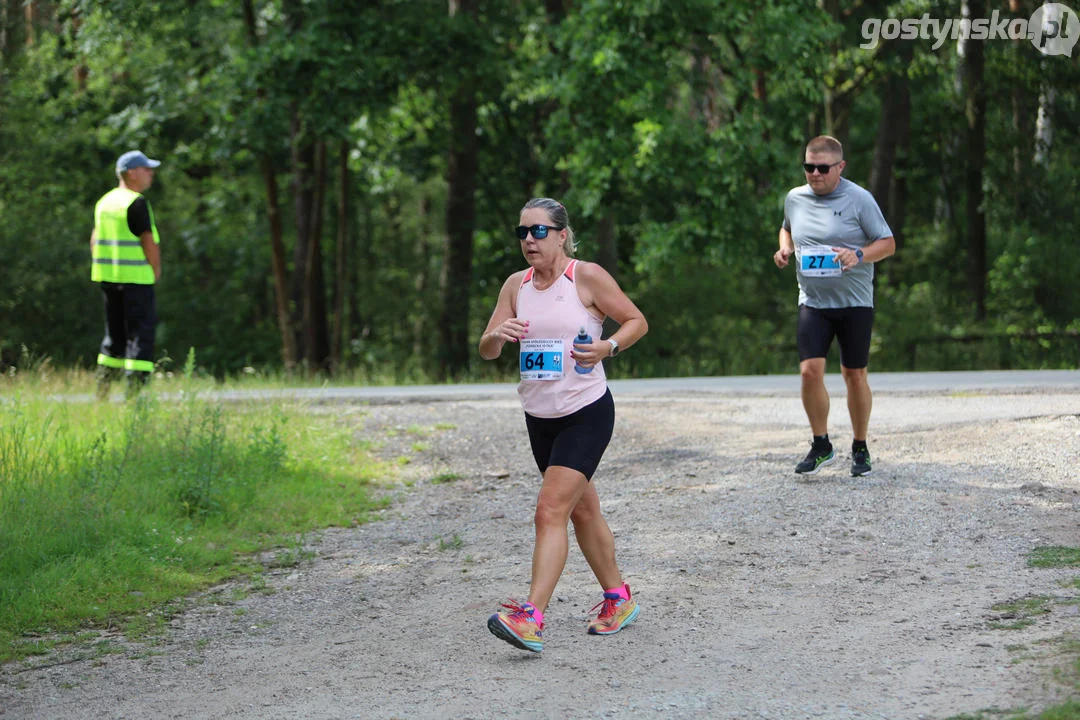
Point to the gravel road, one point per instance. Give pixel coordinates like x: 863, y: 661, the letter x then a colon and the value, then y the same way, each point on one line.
x: 763, y: 594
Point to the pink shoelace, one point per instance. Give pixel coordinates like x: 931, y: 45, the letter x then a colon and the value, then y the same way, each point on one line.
x: 518, y: 613
x: 610, y: 606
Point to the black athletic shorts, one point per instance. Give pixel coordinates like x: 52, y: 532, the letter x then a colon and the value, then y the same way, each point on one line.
x: 850, y: 326
x: 577, y: 440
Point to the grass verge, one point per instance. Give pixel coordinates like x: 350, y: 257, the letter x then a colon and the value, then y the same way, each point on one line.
x: 110, y: 510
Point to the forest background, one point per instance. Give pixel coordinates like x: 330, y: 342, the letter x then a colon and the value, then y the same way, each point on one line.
x: 340, y: 181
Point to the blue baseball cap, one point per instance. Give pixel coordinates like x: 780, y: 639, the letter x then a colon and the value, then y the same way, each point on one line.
x: 134, y: 159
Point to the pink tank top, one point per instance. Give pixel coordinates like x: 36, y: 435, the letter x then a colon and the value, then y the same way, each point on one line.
x: 550, y: 386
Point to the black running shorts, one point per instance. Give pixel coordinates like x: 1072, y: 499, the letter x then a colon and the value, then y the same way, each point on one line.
x: 577, y: 440
x: 850, y: 326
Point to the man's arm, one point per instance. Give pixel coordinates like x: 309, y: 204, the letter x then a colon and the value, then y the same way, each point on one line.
x: 140, y: 223
x: 787, y: 249
x: 877, y: 250
x: 153, y: 255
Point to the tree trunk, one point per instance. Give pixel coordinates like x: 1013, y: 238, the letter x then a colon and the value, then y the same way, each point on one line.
x: 813, y: 126
x: 341, y: 258
x: 80, y: 73
x: 607, y: 246
x: 899, y: 191
x: 555, y: 9
x: 422, y: 283
x: 301, y: 159
x: 460, y: 214
x: 317, y: 350
x: 891, y: 143
x: 362, y: 291
x: 1043, y: 122
x: 277, y: 263
x: 1022, y: 150
x: 273, y: 212
x: 974, y: 63
x: 761, y: 110
x: 1021, y: 112
x: 705, y: 86
x: 1044, y: 128
x: 30, y: 10
x: 835, y: 106
x: 4, y: 4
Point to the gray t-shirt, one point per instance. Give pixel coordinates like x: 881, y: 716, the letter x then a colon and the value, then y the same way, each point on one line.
x: 847, y: 217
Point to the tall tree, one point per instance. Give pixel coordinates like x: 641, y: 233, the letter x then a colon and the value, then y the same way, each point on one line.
x: 268, y: 171
x: 456, y: 280
x: 974, y: 65
x: 343, y: 258
x: 1021, y: 106
x: 893, y: 137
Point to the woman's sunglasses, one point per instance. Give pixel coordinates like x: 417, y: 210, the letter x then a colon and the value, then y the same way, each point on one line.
x: 821, y: 168
x: 538, y: 231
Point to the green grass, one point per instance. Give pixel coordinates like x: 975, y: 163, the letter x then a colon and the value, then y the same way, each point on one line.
x: 1069, y: 710
x: 991, y: 714
x: 1054, y: 557
x: 1020, y: 612
x: 110, y: 512
x: 454, y: 543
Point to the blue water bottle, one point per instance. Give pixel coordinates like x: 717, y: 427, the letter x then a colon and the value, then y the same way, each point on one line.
x: 582, y: 338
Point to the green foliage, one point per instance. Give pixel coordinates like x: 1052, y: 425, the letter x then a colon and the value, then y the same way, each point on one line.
x: 676, y: 126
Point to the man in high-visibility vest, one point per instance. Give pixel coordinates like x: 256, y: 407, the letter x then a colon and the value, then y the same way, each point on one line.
x: 126, y: 262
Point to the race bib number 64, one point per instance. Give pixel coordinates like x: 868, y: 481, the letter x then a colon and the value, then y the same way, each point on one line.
x: 541, y: 359
x: 819, y: 261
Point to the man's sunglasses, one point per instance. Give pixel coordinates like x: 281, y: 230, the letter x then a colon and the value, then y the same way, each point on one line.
x: 821, y: 168
x: 538, y: 231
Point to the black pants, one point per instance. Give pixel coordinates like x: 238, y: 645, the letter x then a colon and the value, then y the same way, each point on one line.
x: 130, y: 323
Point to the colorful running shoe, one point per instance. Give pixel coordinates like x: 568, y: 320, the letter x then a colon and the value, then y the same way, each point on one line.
x: 616, y: 612
x: 517, y: 627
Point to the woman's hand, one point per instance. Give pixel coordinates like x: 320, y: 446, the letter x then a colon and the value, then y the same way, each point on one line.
x: 510, y: 330
x: 589, y: 354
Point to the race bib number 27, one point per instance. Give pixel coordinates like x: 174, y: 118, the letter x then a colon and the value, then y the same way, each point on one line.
x: 541, y: 359
x: 819, y: 261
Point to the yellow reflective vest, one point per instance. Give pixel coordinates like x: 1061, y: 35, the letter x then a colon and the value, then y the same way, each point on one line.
x: 118, y: 256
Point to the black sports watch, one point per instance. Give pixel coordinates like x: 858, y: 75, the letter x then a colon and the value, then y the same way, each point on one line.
x: 858, y: 253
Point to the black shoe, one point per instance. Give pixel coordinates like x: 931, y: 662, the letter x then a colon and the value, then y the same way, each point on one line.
x: 860, y: 462
x: 816, y: 459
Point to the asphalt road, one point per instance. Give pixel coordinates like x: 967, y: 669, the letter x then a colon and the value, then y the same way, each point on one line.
x: 990, y: 381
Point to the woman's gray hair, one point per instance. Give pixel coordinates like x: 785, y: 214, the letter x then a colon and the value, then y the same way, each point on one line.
x: 558, y: 216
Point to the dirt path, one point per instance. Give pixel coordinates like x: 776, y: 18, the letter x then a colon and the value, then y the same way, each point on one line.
x: 763, y: 595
